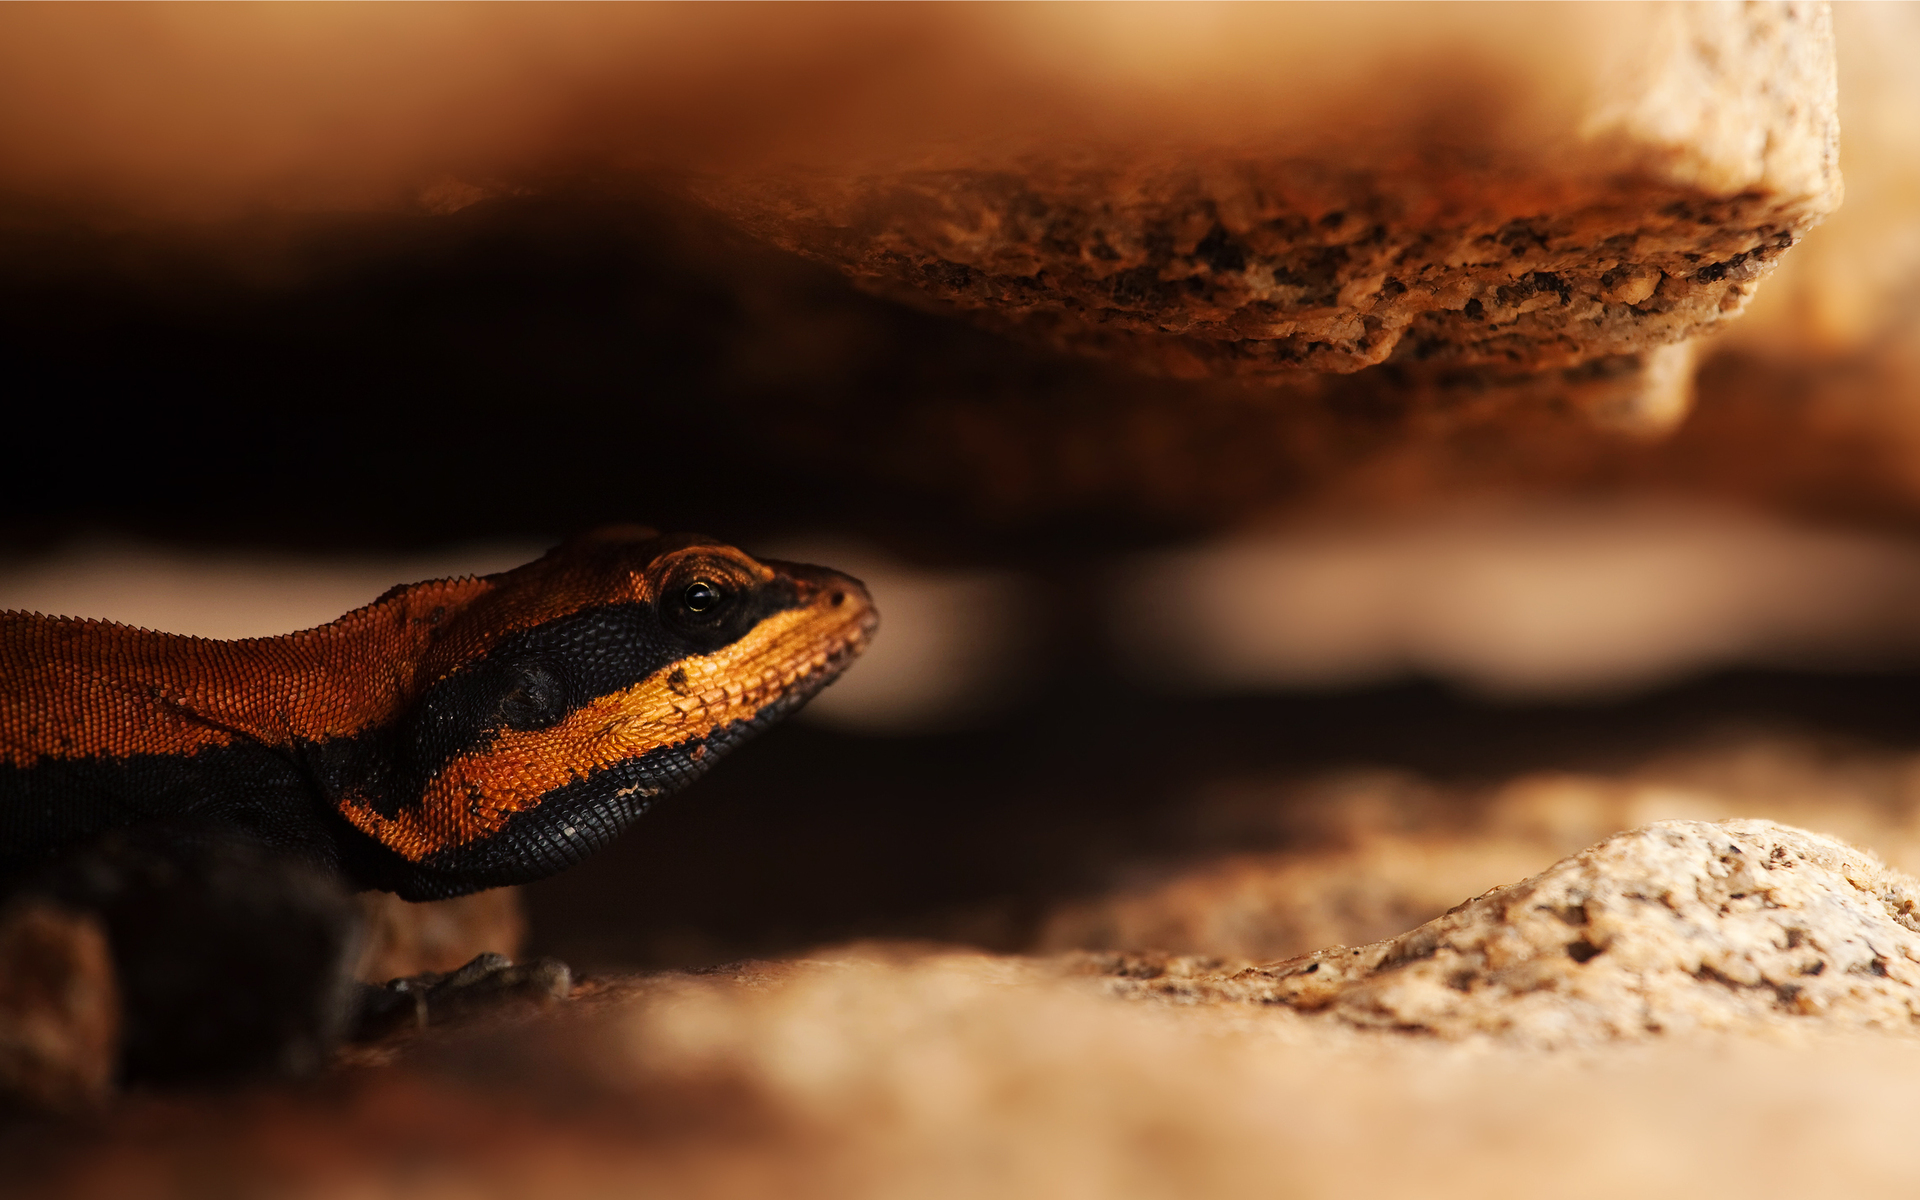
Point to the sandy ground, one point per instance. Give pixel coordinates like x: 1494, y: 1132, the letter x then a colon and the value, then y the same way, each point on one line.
x: 906, y: 1073
x: 896, y: 1069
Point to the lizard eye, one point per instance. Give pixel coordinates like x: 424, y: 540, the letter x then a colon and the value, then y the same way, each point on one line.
x: 700, y: 595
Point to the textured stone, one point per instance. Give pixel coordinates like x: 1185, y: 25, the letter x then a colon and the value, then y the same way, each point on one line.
x: 1679, y: 927
x: 1723, y: 114
x: 1161, y: 282
x: 1262, y: 907
x: 1581, y: 183
x: 1358, y: 856
x: 1858, y: 281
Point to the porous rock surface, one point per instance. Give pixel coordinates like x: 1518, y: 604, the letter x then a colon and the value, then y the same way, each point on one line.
x: 1678, y: 927
x: 1590, y: 186
x: 1236, y: 274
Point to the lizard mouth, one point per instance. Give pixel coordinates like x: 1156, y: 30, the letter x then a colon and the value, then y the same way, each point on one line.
x: 843, y: 621
x: 645, y: 742
x: 782, y: 691
x: 833, y: 658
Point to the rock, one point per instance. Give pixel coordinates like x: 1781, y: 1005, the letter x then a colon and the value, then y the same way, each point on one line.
x: 1351, y: 857
x: 231, y: 960
x: 59, y: 1008
x: 1679, y: 927
x: 914, y: 1071
x: 1263, y: 907
x: 1287, y: 190
x: 437, y: 935
x: 1232, y: 192
x: 1856, y: 283
x: 965, y: 158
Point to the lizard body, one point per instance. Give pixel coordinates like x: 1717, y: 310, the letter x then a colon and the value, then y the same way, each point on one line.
x: 450, y: 736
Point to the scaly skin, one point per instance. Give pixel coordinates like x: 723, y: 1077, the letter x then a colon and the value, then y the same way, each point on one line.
x: 451, y: 736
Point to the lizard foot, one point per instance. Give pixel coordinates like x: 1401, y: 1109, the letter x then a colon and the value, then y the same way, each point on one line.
x: 489, y: 983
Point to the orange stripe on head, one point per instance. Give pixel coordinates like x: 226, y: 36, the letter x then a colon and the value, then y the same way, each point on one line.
x: 794, y: 650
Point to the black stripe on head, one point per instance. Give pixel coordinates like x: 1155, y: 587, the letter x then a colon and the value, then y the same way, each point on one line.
x: 535, y: 678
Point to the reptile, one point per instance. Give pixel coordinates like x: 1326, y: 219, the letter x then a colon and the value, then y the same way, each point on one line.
x: 452, y: 735
x: 207, y: 805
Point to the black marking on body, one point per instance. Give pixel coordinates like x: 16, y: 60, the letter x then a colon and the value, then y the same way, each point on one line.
x: 246, y: 786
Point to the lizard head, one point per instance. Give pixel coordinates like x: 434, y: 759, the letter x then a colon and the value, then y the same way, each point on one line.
x: 567, y: 695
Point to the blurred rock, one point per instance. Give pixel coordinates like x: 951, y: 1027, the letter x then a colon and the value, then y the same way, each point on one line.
x: 232, y: 961
x: 1858, y: 279
x: 956, y: 644
x: 1260, y: 907
x: 59, y: 1008
x: 212, y: 594
x: 1546, y: 599
x: 437, y: 935
x: 858, y: 415
x: 878, y: 1071
x: 1676, y: 928
x: 1360, y: 855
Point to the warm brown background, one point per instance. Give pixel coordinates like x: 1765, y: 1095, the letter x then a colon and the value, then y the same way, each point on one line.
x: 372, y: 321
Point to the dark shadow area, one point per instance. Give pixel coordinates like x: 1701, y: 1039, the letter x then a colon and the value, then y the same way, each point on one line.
x: 389, y: 381
x: 813, y: 836
x: 524, y: 367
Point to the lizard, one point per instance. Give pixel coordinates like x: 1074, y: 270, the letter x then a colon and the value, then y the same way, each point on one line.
x: 450, y: 736
x: 210, y: 803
